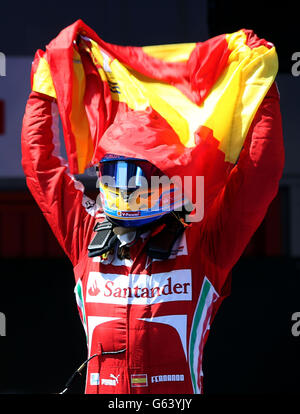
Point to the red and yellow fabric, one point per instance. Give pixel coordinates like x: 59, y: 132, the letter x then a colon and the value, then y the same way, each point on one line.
x: 186, y: 108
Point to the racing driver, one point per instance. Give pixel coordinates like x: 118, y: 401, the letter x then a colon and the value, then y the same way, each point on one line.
x: 148, y: 284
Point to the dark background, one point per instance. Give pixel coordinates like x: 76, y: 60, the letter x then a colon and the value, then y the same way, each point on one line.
x: 251, y: 348
x: 34, y: 24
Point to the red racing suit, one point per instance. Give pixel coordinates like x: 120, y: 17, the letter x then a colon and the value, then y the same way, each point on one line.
x: 148, y: 320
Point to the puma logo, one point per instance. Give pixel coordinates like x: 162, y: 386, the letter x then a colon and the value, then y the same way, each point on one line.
x: 112, y: 382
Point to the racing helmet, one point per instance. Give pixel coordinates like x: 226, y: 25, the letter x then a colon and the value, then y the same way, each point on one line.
x: 133, y: 192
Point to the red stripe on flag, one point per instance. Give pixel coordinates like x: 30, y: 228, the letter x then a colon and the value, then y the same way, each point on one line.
x: 254, y: 41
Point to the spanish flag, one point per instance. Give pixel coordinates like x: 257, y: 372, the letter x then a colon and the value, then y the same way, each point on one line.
x: 186, y: 107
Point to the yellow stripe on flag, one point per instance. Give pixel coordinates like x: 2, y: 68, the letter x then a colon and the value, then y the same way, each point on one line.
x: 179, y: 52
x: 124, y: 87
x: 138, y: 380
x: 42, y: 80
x: 78, y: 116
x: 233, y: 101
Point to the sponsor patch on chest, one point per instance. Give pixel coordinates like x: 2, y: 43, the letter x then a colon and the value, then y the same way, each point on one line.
x: 139, y: 289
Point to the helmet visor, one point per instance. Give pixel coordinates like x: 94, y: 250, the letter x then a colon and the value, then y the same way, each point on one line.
x: 127, y: 175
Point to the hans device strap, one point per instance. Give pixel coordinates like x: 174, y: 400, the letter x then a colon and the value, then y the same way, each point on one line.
x: 104, y: 240
x: 159, y: 245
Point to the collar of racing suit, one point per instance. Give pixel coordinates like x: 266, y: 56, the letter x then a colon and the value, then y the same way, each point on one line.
x: 161, y: 238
